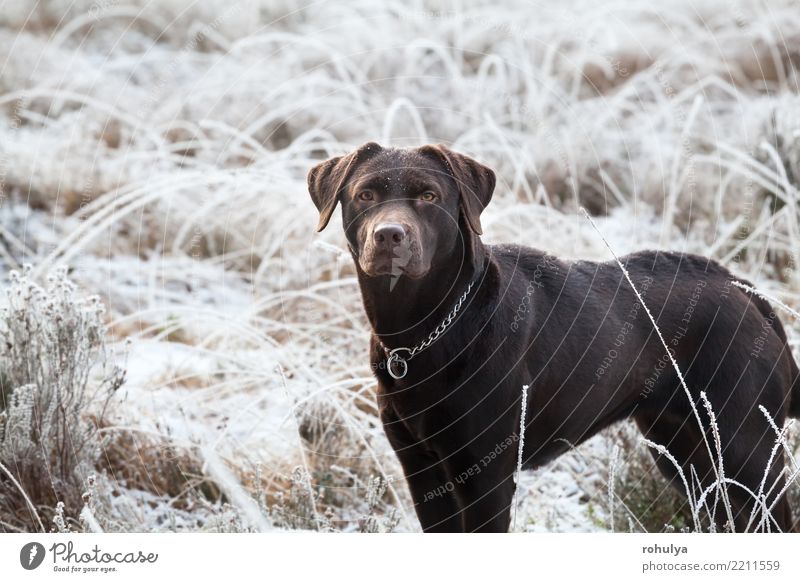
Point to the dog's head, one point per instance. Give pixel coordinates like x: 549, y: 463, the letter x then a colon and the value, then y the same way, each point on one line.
x: 402, y: 208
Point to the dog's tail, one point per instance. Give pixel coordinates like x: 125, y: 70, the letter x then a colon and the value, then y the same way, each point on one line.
x: 767, y: 311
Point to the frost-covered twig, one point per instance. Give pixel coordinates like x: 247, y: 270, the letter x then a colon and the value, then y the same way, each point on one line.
x: 712, y: 419
x: 766, y: 297
x: 24, y: 496
x: 521, y: 447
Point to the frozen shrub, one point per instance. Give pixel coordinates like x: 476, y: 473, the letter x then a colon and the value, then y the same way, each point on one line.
x: 374, y: 521
x: 51, y: 345
x: 295, y: 508
x: 365, y: 508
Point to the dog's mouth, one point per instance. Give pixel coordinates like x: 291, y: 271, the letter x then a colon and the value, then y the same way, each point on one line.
x: 397, y: 262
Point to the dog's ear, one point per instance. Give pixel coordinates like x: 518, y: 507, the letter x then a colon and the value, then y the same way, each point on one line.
x: 474, y: 180
x: 326, y: 180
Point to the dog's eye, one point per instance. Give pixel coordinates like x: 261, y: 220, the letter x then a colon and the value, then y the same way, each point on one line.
x: 365, y: 195
x: 428, y: 196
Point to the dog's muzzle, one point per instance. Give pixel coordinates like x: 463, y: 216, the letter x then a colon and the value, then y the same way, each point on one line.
x: 391, y: 250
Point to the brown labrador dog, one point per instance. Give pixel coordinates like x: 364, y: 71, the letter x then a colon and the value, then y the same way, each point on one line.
x: 459, y: 327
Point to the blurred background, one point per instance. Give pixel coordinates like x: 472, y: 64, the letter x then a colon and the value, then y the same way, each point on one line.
x: 207, y: 349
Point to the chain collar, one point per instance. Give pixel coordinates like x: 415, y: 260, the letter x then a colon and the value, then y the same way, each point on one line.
x: 397, y: 365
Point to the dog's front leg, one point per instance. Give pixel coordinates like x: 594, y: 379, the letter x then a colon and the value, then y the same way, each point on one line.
x: 485, y: 492
x: 432, y: 492
x: 434, y: 499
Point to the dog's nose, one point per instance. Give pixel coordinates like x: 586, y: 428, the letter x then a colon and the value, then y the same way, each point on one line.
x: 389, y: 235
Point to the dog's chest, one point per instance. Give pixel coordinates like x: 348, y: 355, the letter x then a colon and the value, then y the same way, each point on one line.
x: 422, y: 408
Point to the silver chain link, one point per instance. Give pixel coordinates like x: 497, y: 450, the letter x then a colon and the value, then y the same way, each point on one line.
x: 392, y: 354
